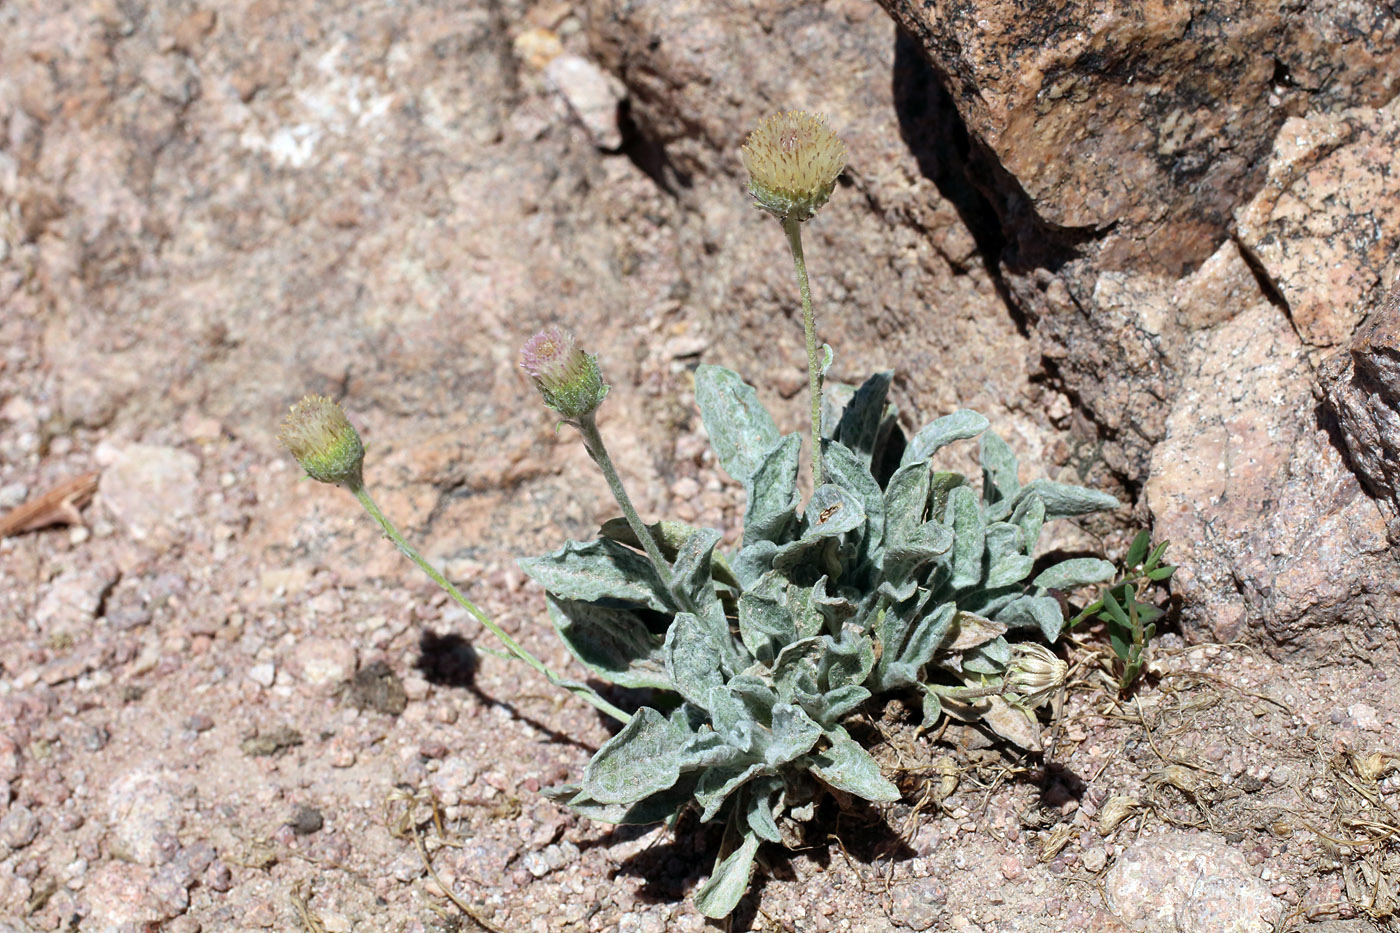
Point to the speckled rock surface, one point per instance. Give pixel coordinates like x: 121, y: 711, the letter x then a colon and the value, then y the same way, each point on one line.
x: 1362, y: 388
x: 1269, y: 526
x: 1176, y: 882
x: 1325, y: 225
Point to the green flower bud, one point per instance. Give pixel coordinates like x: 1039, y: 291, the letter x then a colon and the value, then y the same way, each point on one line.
x: 793, y: 160
x: 567, y: 377
x: 324, y: 442
x: 1034, y: 674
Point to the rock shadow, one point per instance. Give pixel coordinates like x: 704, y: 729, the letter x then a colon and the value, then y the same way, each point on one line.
x: 992, y: 204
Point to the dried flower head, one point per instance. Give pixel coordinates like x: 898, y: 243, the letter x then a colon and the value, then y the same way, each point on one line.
x: 324, y: 442
x: 1034, y: 674
x: 793, y: 160
x: 567, y: 377
x: 1117, y: 809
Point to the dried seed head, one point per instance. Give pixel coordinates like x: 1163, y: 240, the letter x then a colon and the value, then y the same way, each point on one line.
x: 1115, y: 811
x: 947, y: 771
x: 567, y: 377
x: 1372, y: 767
x: 324, y: 442
x: 1034, y: 674
x: 1178, y: 776
x: 793, y: 160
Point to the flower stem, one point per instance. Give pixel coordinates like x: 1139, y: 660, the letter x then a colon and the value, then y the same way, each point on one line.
x: 793, y: 229
x: 582, y: 690
x: 593, y: 443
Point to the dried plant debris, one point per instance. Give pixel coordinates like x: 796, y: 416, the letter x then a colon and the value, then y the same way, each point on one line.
x: 57, y: 506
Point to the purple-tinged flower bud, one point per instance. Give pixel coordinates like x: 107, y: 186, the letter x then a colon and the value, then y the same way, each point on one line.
x: 793, y: 160
x: 567, y: 377
x: 324, y: 442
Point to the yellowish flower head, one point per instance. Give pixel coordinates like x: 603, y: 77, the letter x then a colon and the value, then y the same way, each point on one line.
x: 324, y: 442
x: 793, y: 159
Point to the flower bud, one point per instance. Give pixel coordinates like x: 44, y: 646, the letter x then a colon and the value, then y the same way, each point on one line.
x: 1034, y: 673
x: 793, y: 160
x: 324, y: 442
x: 567, y: 377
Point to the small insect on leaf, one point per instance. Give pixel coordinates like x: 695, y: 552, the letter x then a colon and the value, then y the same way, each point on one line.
x: 827, y: 512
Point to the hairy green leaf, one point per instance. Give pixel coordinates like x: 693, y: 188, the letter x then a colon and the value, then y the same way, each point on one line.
x: 964, y: 518
x: 719, y: 896
x: 637, y: 762
x: 740, y: 428
x: 848, y: 767
x: 958, y: 426
x: 859, y: 427
x: 1041, y: 612
x: 1078, y: 571
x: 599, y: 570
x: 772, y: 494
x: 612, y: 643
x: 999, y: 469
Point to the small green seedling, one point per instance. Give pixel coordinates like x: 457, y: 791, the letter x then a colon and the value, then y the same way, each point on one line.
x: 1130, y: 621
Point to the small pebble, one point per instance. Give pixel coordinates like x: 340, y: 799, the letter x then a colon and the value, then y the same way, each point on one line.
x: 19, y: 828
x: 264, y: 675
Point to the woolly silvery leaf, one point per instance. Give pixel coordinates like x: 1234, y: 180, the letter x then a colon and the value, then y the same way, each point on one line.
x: 717, y: 783
x: 847, y: 470
x: 759, y: 816
x: 598, y: 570
x: 1030, y: 516
x: 847, y: 659
x: 832, y: 511
x: 730, y: 879
x: 753, y: 561
x: 848, y: 767
x: 765, y: 625
x: 741, y: 430
x: 795, y: 670
x: 694, y: 579
x: 1007, y: 561
x: 909, y: 637
x: 999, y: 480
x: 793, y: 735
x: 638, y: 761
x: 940, y: 488
x: 694, y: 651
x: 661, y: 806
x: 613, y: 643
x: 1040, y: 612
x: 757, y: 694
x: 1068, y: 574
x: 989, y: 658
x: 1061, y: 500
x: 964, y: 518
x: 958, y: 426
x: 859, y: 429
x: 906, y: 497
x: 772, y: 493
x: 835, y: 705
x: 927, y: 635
x: 669, y: 536
x: 988, y: 603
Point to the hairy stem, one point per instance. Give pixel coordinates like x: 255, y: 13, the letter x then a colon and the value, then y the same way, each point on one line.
x: 581, y: 690
x: 793, y: 229
x: 593, y: 443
